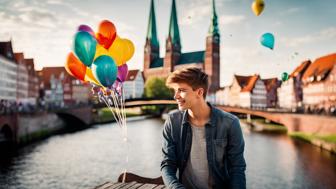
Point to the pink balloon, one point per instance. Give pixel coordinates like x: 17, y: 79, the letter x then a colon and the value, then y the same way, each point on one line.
x: 122, y: 72
x: 86, y: 28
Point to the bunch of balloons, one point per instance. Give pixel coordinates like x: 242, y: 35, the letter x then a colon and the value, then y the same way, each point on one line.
x: 100, y: 58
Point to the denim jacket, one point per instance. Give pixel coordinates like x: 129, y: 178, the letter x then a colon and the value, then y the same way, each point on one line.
x: 224, y: 147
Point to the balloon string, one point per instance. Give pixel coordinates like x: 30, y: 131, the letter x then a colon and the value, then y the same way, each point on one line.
x: 111, y: 109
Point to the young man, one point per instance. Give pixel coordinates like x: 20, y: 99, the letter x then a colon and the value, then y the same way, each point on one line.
x: 203, y: 143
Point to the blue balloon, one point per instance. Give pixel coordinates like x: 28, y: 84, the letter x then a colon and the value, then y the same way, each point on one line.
x: 85, y: 47
x: 267, y: 39
x: 105, y: 70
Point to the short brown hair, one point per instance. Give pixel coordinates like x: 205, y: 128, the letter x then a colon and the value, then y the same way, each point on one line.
x: 192, y: 76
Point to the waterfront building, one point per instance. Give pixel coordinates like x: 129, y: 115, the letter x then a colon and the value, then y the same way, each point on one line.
x: 134, y: 84
x: 319, y: 85
x: 8, y: 72
x: 290, y: 94
x: 22, y: 78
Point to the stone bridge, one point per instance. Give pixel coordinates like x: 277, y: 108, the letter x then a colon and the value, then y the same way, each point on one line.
x: 19, y: 127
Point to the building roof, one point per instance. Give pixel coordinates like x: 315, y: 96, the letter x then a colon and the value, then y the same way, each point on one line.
x: 131, y: 75
x: 271, y: 83
x: 301, y: 68
x: 213, y: 29
x: 151, y: 30
x: 19, y: 57
x: 6, y: 50
x: 46, y: 73
x: 191, y: 57
x: 158, y: 62
x: 185, y: 58
x: 320, y: 68
x: 246, y: 82
x: 30, y: 66
x: 174, y: 33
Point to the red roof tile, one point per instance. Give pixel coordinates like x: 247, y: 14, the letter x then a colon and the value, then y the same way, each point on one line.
x: 301, y: 68
x: 132, y: 75
x: 246, y: 82
x: 320, y: 67
x: 46, y: 72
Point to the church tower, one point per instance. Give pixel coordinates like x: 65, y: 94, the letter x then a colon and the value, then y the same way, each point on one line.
x: 212, y: 50
x: 152, y: 47
x: 173, y: 43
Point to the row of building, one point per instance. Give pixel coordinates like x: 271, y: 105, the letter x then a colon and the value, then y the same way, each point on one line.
x: 311, y: 87
x: 51, y: 87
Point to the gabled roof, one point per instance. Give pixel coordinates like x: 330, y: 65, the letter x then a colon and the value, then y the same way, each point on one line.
x: 270, y: 83
x: 46, y: 72
x: 6, y: 50
x: 301, y: 68
x: 320, y: 68
x: 246, y: 82
x: 30, y: 66
x: 19, y: 57
x: 132, y: 75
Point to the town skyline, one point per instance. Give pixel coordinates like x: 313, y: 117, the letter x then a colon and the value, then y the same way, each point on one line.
x: 44, y: 30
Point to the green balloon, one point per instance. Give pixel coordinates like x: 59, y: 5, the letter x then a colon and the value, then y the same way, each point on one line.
x: 284, y: 76
x: 85, y: 47
x: 105, y: 70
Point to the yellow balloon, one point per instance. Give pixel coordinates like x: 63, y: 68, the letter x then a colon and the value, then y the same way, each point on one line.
x: 116, y: 51
x: 90, y: 77
x: 100, y: 50
x: 129, y: 49
x: 258, y: 7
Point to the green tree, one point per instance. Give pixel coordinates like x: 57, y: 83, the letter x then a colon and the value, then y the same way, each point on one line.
x: 155, y: 87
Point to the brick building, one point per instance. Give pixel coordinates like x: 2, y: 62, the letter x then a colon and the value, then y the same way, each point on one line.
x: 208, y: 59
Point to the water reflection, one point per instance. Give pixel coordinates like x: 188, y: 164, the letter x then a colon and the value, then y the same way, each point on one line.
x: 91, y: 157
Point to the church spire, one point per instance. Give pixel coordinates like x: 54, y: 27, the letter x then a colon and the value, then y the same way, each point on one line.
x: 213, y: 29
x: 174, y: 33
x: 151, y: 30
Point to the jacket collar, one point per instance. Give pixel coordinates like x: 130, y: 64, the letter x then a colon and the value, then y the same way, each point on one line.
x: 212, y: 121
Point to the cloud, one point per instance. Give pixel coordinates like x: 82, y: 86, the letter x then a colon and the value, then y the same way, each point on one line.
x: 231, y: 19
x: 326, y: 34
x: 291, y: 11
x: 194, y: 12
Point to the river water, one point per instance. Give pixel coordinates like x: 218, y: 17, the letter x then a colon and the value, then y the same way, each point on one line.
x: 88, y: 158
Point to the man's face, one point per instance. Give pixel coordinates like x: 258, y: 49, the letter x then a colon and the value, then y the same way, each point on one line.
x: 185, y: 96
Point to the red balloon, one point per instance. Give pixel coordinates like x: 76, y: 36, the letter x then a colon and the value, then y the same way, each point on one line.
x: 106, y: 33
x: 75, y: 67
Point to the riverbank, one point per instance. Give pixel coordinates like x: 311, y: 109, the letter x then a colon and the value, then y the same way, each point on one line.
x: 325, y: 142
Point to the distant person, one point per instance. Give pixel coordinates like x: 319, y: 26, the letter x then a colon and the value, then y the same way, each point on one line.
x: 202, y: 143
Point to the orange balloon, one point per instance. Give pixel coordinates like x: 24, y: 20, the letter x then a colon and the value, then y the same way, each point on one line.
x: 106, y: 33
x: 75, y: 67
x: 90, y: 77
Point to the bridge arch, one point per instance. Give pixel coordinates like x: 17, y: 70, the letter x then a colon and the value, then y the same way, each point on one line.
x: 6, y: 134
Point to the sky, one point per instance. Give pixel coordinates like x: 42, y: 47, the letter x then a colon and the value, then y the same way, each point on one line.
x: 303, y: 29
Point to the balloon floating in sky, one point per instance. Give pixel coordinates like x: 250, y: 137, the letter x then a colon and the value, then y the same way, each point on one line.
x: 284, y: 76
x: 258, y: 7
x: 267, y: 40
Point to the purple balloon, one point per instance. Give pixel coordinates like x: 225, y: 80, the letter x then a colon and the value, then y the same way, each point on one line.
x: 86, y: 28
x: 122, y: 72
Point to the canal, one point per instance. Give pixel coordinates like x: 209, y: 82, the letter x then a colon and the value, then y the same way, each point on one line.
x: 88, y: 158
